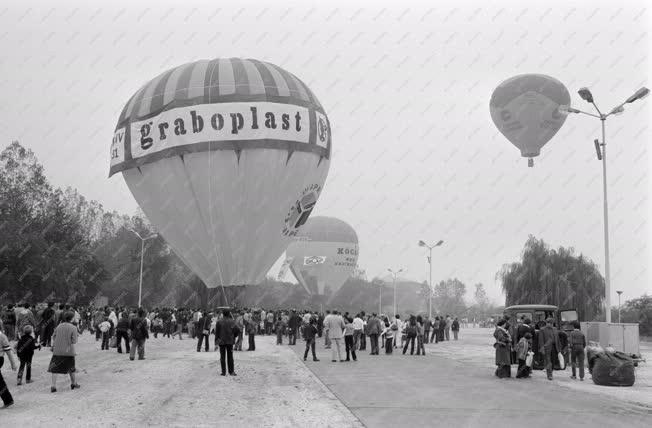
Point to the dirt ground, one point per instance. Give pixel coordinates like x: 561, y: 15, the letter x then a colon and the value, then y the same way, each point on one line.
x: 176, y: 386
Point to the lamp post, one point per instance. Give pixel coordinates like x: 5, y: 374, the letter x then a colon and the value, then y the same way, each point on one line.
x: 430, y: 247
x: 142, y: 254
x: 601, y: 150
x: 394, y: 275
x: 619, y: 293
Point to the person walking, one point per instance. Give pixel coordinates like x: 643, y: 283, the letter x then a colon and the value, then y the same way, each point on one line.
x: 548, y: 344
x: 25, y: 351
x: 335, y: 325
x: 203, y: 331
x: 5, y: 349
x: 455, y: 328
x: 64, y: 339
x: 503, y: 347
x: 310, y: 332
x: 122, y: 333
x: 47, y: 325
x: 139, y: 335
x: 373, y: 330
x: 349, y: 342
x: 226, y: 331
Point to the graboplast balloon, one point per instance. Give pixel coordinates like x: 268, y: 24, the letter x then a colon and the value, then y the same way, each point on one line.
x: 525, y: 109
x: 227, y: 158
x: 324, y: 255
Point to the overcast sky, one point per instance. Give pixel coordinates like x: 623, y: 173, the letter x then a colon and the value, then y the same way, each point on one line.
x: 406, y: 86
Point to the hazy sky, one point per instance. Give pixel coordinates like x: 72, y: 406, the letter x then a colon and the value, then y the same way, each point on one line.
x: 406, y: 86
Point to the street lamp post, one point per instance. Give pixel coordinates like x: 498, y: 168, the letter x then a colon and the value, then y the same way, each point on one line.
x: 394, y: 275
x: 430, y: 247
x: 142, y: 255
x: 601, y: 149
x: 619, y: 293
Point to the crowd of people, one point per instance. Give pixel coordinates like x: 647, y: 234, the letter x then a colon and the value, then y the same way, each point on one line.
x: 538, y: 345
x: 25, y: 329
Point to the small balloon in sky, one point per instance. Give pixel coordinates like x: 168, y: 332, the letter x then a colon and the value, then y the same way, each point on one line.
x: 526, y: 110
x: 323, y: 256
x: 227, y: 158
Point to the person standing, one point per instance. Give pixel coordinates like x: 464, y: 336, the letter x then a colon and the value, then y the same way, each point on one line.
x: 577, y: 342
x: 204, y: 329
x: 122, y: 333
x: 226, y: 331
x: 373, y: 330
x: 64, y: 339
x: 442, y: 328
x: 269, y: 323
x: 426, y: 329
x: 503, y: 347
x: 421, y: 349
x: 252, y: 325
x: 139, y: 334
x: 310, y: 335
x: 348, y: 339
x: 293, y: 327
x: 240, y: 322
x: 363, y: 333
x: 327, y: 339
x: 410, y: 334
x: 335, y: 326
x: 388, y: 336
x: 447, y: 327
x: 523, y: 347
x: 455, y: 328
x: 358, y: 325
x: 5, y: 349
x: 25, y: 351
x: 47, y: 325
x: 397, y: 331
x: 280, y: 330
x: 9, y: 320
x: 548, y: 344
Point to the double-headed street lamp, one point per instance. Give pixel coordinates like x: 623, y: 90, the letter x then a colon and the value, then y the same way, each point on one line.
x: 394, y: 275
x: 430, y: 247
x: 142, y: 253
x: 601, y: 150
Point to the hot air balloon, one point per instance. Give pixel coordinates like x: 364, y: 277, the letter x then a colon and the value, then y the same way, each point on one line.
x: 525, y: 109
x: 324, y: 255
x: 227, y: 158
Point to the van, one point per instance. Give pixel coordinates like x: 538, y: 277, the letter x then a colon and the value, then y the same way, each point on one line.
x: 536, y: 313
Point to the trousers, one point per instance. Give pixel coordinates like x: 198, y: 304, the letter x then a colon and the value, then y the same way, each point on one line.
x: 226, y: 351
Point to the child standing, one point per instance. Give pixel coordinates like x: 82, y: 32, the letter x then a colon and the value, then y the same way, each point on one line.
x: 25, y: 351
x: 523, y: 347
x: 577, y: 343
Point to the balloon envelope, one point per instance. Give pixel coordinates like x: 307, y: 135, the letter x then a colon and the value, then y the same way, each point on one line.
x: 227, y: 158
x: 525, y: 109
x: 324, y: 256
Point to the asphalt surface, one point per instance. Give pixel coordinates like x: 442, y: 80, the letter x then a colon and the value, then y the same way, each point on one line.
x: 440, y: 390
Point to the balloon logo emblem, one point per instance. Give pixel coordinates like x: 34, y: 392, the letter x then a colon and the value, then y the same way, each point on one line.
x: 300, y: 210
x: 314, y: 260
x: 323, y: 130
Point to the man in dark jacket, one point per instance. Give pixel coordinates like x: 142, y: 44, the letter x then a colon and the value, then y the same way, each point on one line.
x: 47, y: 325
x: 9, y: 321
x: 226, y: 331
x: 204, y: 330
x: 139, y: 334
x: 293, y: 326
x: 548, y: 343
x: 310, y: 334
x: 373, y: 330
x: 122, y: 332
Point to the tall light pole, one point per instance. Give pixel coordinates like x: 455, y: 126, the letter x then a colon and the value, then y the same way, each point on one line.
x: 142, y: 254
x: 619, y: 293
x: 601, y: 150
x: 394, y: 275
x: 430, y: 247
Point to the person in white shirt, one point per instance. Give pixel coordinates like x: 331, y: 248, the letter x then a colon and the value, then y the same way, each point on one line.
x: 335, y: 325
x: 327, y: 339
x: 398, y: 331
x: 358, y: 325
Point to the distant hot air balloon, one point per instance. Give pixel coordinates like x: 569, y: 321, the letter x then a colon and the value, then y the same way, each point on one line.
x: 525, y: 109
x: 324, y: 255
x: 227, y: 158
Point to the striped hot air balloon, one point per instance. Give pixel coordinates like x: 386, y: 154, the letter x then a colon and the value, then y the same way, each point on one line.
x: 227, y: 158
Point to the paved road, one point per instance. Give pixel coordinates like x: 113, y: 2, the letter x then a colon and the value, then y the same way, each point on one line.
x: 434, y: 390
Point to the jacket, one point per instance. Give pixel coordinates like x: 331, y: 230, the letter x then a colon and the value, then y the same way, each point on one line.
x: 577, y: 340
x: 309, y: 332
x: 522, y: 348
x: 226, y: 331
x: 138, y: 327
x: 373, y: 326
x: 335, y: 325
x: 26, y: 346
x: 205, y: 323
x: 64, y: 339
x: 548, y: 336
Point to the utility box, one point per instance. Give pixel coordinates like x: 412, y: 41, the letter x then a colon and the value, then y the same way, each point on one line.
x: 623, y: 337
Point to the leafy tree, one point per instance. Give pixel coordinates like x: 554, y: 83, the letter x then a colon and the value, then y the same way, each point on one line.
x: 555, y: 277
